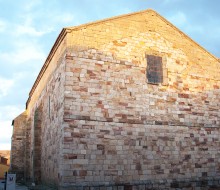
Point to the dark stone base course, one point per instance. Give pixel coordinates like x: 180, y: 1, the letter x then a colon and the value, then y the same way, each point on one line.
x: 206, y: 184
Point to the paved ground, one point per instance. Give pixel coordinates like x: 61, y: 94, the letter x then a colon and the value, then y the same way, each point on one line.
x: 21, y: 187
x: 18, y: 187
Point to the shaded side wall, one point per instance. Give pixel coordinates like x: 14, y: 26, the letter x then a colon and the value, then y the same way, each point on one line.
x: 48, y: 126
x: 53, y: 63
x: 45, y: 120
x: 17, y: 164
x: 39, y: 152
x: 27, y: 162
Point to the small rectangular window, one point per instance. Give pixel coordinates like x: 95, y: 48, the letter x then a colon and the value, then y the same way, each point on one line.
x: 154, y: 69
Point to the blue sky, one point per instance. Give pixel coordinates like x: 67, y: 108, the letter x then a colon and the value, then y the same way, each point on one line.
x: 29, y: 28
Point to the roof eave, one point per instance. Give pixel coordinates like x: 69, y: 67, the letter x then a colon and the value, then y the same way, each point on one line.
x: 59, y: 39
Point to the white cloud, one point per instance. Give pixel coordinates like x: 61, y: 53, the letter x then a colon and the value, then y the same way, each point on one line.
x: 195, y: 29
x: 179, y: 19
x: 10, y: 112
x: 124, y: 10
x: 29, y: 30
x: 5, y: 135
x: 170, y: 1
x: 23, y: 53
x: 31, y: 4
x: 5, y: 146
x: 2, y: 25
x: 7, y: 114
x: 6, y: 129
x: 5, y: 86
x: 64, y: 18
x: 58, y: 19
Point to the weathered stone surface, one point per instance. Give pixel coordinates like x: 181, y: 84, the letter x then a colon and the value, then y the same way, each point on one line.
x: 17, y: 164
x: 94, y: 121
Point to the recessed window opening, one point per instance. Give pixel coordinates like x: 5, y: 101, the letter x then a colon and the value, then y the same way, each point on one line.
x: 154, y: 69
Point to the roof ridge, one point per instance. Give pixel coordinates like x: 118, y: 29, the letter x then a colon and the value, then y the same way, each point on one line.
x: 185, y: 35
x: 140, y: 12
x: 109, y: 19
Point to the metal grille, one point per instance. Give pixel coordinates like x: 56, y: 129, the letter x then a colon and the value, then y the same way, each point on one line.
x: 154, y: 69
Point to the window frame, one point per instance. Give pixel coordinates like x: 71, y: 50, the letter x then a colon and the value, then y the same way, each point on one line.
x: 154, y: 70
x: 164, y: 72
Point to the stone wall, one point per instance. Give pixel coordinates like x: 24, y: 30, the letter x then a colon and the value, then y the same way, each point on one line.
x: 121, y: 130
x: 37, y: 136
x: 46, y: 118
x: 105, y: 89
x: 98, y: 153
x: 101, y: 123
x: 51, y: 64
x: 18, y: 146
x: 129, y: 37
x: 38, y: 153
x: 27, y: 156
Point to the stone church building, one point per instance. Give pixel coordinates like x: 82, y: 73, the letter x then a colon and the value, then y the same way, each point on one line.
x: 126, y: 102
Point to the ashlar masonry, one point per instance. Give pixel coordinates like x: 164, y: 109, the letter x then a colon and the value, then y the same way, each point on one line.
x: 122, y: 102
